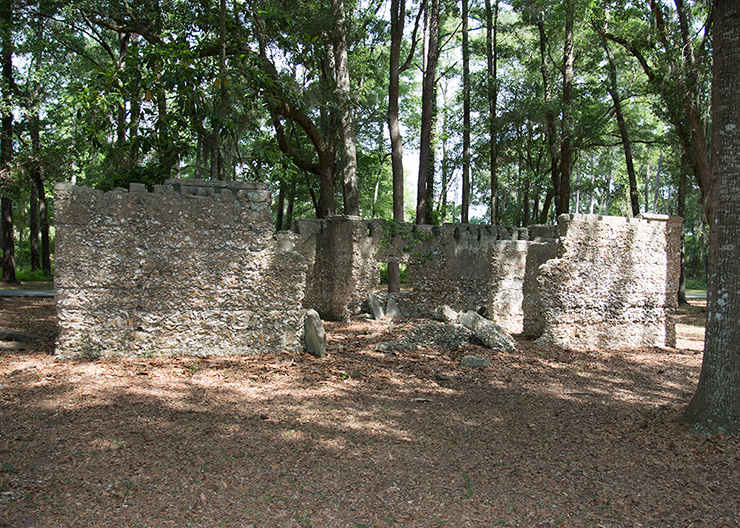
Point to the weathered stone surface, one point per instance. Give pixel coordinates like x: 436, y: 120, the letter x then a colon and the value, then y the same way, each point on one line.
x: 179, y: 271
x: 453, y: 265
x: 375, y: 308
x: 447, y: 264
x: 475, y: 361
x: 614, y: 282
x: 315, y: 335
x: 430, y: 335
x: 446, y: 314
x: 392, y: 309
x: 533, y: 322
x: 342, y: 268
x: 489, y: 333
x: 507, y: 259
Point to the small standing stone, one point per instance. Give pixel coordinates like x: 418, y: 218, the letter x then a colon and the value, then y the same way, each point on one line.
x: 392, y: 309
x: 375, y: 308
x: 315, y: 335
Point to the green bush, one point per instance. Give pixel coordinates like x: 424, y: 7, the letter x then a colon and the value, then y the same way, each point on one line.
x: 404, y: 268
x: 25, y: 274
x: 696, y: 284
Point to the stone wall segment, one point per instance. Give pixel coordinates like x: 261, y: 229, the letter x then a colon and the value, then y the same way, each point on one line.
x: 613, y: 283
x: 191, y: 269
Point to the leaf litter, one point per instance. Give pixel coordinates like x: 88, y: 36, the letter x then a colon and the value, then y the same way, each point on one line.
x: 362, y: 438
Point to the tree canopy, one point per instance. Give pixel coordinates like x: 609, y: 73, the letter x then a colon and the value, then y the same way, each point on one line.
x: 513, y: 110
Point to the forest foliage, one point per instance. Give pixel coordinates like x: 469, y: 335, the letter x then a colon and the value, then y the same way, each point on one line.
x: 522, y: 110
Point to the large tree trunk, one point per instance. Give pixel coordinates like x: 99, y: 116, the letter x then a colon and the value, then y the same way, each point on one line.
x: 223, y: 97
x: 716, y: 405
x: 427, y: 112
x: 551, y: 131
x: 681, y: 211
x: 566, y: 145
x: 613, y: 89
x: 6, y: 141
x: 347, y: 118
x: 398, y: 16
x: 492, y: 64
x: 33, y: 227
x: 465, y: 206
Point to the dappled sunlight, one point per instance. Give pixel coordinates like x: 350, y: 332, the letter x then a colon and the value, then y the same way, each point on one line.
x: 358, y: 436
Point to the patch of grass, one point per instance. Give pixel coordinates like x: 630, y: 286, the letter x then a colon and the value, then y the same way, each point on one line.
x: 468, y: 486
x: 29, y: 275
x: 696, y: 285
x: 7, y: 467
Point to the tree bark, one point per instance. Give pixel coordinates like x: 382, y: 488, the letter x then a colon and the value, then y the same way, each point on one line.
x: 715, y: 406
x: 223, y: 96
x: 33, y: 227
x: 427, y: 107
x: 613, y: 89
x: 681, y: 211
x: 347, y: 118
x: 398, y: 15
x: 465, y: 206
x: 398, y: 18
x: 566, y: 146
x: 492, y: 65
x: 552, y: 139
x: 6, y: 141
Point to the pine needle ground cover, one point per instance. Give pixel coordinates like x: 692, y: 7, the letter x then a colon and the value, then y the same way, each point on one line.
x: 361, y: 438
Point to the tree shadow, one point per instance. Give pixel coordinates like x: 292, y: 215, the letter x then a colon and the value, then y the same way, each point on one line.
x: 547, y: 436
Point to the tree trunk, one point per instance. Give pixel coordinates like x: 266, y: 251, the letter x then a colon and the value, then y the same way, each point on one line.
x: 681, y: 211
x: 33, y: 227
x: 347, y: 118
x: 6, y: 141
x: 647, y: 187
x: 223, y: 96
x: 552, y: 139
x: 427, y: 107
x: 566, y: 146
x: 37, y: 186
x: 465, y: 206
x: 624, y: 135
x: 280, y: 206
x: 398, y: 16
x: 432, y: 170
x: 657, y: 182
x: 291, y: 201
x: 716, y: 405
x: 492, y: 65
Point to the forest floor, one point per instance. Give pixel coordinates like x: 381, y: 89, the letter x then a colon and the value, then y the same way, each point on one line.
x: 546, y: 437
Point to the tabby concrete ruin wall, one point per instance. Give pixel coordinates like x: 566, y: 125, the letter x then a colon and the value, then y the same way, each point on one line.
x: 342, y: 266
x: 192, y: 268
x: 451, y: 265
x: 589, y: 281
x: 613, y: 282
x: 447, y: 264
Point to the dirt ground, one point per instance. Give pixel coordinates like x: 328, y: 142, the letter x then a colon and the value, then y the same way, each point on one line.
x: 547, y: 437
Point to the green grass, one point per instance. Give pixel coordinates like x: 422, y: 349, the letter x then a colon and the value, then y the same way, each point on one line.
x: 28, y: 275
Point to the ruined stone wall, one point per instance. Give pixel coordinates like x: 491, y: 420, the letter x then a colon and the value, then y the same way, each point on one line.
x: 342, y: 266
x: 451, y: 265
x: 448, y: 264
x: 191, y: 269
x: 613, y: 282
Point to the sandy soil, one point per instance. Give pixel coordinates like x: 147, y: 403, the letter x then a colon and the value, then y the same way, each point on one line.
x: 546, y: 437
